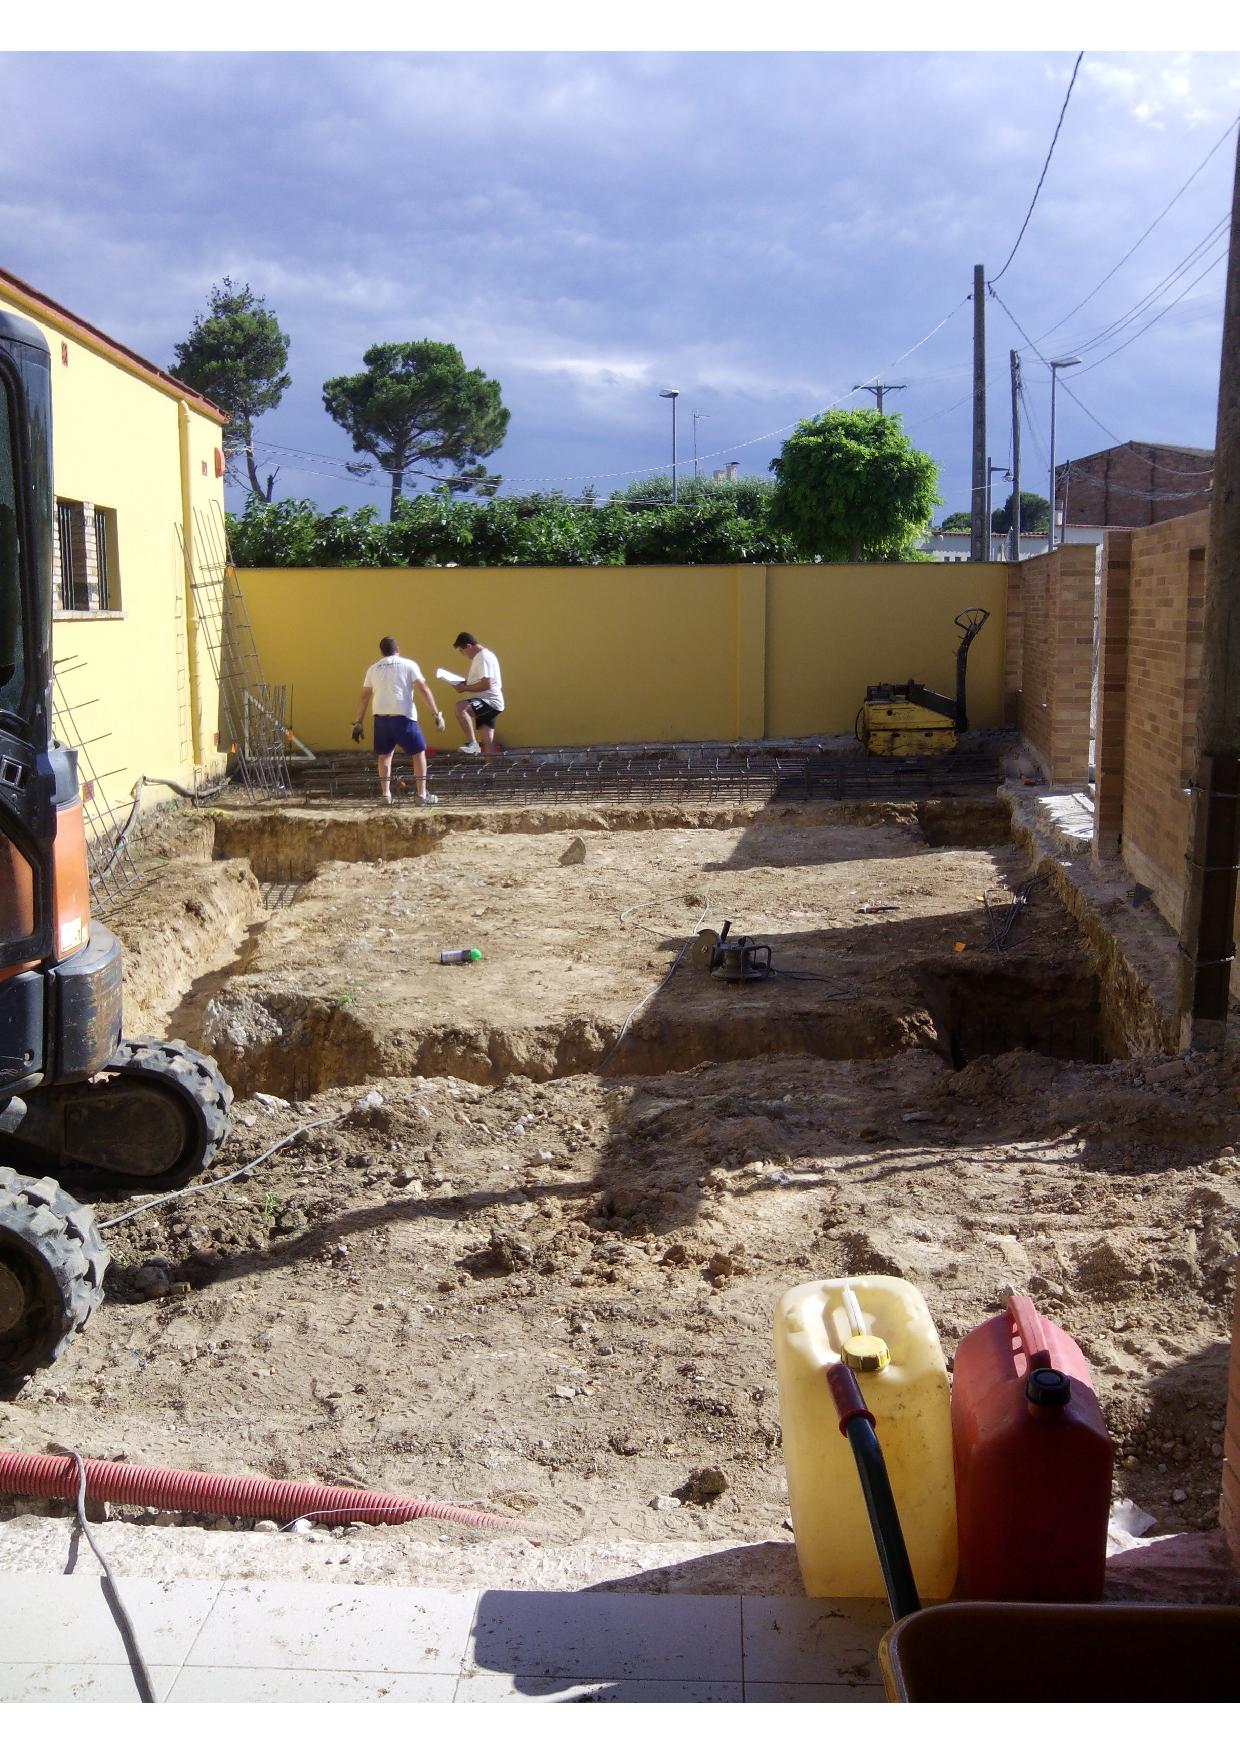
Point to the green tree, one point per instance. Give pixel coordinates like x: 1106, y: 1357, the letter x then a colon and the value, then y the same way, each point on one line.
x: 958, y: 524
x: 748, y: 496
x: 1034, y: 513
x: 849, y: 486
x: 235, y: 355
x: 417, y: 410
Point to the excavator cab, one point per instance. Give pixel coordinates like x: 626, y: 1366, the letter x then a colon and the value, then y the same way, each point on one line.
x: 78, y: 1102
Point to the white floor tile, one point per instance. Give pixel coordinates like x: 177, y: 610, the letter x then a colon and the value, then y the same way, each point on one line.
x: 813, y: 1640
x: 799, y: 1693
x: 625, y: 1637
x: 308, y: 1687
x: 70, y: 1620
x: 345, y: 1627
x: 555, y: 1690
x: 77, y: 1683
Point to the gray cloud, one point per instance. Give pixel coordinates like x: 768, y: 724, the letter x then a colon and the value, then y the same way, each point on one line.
x: 761, y: 230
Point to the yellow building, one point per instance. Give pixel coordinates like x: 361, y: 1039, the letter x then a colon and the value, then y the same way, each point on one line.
x: 137, y: 460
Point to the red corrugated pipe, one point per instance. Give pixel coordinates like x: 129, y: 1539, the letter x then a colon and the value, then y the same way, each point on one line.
x: 223, y: 1494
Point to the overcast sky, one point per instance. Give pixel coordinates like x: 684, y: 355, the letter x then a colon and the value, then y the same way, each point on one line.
x: 762, y: 231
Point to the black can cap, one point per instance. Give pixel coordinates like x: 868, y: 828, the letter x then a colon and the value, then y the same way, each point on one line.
x: 1048, y: 1388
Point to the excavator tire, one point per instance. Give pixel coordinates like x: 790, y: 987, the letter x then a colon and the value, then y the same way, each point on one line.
x: 52, y: 1263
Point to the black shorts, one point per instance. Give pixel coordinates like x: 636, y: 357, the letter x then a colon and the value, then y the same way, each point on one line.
x: 393, y: 731
x: 484, y: 713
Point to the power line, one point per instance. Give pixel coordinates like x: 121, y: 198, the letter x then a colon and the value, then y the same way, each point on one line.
x: 1184, y: 266
x: 1158, y: 316
x: 1149, y: 228
x: 648, y: 469
x: 1054, y: 137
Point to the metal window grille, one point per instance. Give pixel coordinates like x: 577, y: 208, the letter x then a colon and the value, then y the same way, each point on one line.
x: 64, y: 539
x: 101, y: 560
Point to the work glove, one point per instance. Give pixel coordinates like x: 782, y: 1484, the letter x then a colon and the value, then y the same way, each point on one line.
x: 439, y: 721
x: 357, y: 732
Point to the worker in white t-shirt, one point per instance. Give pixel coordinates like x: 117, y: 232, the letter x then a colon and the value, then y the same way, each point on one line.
x: 483, y: 688
x: 390, y: 683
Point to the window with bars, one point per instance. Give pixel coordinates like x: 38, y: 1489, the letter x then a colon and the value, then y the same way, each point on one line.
x: 71, y: 554
x: 87, y: 570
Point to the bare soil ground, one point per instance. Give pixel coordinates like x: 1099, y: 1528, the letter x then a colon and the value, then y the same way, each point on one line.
x: 517, y: 1284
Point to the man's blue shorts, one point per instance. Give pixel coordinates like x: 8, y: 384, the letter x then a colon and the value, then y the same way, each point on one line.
x: 392, y: 732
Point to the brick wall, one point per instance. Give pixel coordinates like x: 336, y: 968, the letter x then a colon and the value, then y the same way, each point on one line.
x: 1229, y: 1508
x: 1165, y: 587
x: 1051, y: 652
x: 1134, y: 485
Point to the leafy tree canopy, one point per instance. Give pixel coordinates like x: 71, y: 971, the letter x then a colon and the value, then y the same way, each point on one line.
x: 959, y: 523
x: 749, y: 496
x: 235, y: 355
x: 1034, y: 513
x: 849, y: 486
x: 417, y: 410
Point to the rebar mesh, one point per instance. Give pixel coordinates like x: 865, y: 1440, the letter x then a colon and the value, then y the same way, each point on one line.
x: 253, y: 712
x: 110, y: 865
x: 689, y: 773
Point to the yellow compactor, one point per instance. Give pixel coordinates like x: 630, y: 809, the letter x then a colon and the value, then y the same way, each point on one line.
x: 907, y: 719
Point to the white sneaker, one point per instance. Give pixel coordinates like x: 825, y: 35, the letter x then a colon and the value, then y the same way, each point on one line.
x: 385, y: 797
x: 474, y: 748
x: 428, y: 798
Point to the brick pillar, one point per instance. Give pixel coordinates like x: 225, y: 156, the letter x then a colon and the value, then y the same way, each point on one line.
x: 1072, y: 593
x: 1112, y: 694
x: 1229, y: 1506
x: 1013, y: 657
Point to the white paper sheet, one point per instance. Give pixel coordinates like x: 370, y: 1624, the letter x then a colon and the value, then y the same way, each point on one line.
x: 449, y: 676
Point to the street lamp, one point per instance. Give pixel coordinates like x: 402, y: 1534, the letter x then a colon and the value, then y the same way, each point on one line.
x: 1056, y: 365
x: 992, y: 469
x: 670, y: 396
x: 696, y: 418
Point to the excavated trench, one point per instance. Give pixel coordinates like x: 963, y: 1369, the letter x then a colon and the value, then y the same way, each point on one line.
x: 307, y: 1002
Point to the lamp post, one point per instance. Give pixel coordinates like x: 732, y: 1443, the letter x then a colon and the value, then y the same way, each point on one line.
x: 696, y: 417
x: 1056, y: 365
x: 670, y: 396
x: 992, y: 469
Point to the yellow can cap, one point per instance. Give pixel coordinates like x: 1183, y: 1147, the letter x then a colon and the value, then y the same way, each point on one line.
x: 862, y: 1352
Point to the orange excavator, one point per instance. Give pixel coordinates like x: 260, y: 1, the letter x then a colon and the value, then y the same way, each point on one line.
x: 79, y: 1103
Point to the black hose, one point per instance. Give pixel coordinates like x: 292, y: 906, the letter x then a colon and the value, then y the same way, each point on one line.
x: 884, y: 1519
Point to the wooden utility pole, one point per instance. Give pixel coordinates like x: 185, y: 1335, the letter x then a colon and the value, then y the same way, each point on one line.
x: 1014, y: 537
x: 978, y: 541
x: 1207, y: 928
x: 877, y: 390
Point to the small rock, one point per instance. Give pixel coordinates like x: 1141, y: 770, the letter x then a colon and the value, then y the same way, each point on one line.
x: 1179, y: 1495
x: 565, y: 1392
x: 662, y: 1502
x: 778, y: 1178
x: 267, y: 1527
x: 543, y: 1156
x: 270, y: 1102
x: 704, y: 1485
x: 675, y: 1256
x: 575, y: 852
x: 303, y: 1526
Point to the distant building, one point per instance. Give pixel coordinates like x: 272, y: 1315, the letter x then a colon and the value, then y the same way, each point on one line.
x: 1134, y: 484
x: 955, y: 546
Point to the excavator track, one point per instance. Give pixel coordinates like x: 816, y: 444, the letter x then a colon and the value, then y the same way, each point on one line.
x: 153, y: 1118
x: 52, y: 1263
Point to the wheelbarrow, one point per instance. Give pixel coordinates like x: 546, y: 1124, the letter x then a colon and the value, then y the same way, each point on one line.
x: 1010, y: 1652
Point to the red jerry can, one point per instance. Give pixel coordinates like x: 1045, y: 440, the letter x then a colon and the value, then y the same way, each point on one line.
x: 1033, y: 1463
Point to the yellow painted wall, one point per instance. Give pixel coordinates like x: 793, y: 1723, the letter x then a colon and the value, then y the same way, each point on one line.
x: 116, y: 443
x: 634, y: 654
x: 833, y: 629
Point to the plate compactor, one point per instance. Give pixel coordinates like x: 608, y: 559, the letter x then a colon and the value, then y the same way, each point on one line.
x: 907, y: 719
x: 78, y: 1103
